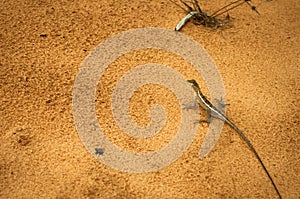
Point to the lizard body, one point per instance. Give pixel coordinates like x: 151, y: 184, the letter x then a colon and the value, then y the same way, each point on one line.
x: 212, y: 110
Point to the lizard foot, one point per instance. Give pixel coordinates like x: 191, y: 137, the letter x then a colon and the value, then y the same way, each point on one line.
x: 206, y: 121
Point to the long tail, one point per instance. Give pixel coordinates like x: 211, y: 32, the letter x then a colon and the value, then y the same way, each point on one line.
x: 253, y: 150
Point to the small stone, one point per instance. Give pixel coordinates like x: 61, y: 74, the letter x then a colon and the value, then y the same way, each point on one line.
x: 99, y: 151
x: 43, y: 35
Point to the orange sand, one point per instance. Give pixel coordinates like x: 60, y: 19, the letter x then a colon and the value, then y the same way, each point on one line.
x: 41, y: 153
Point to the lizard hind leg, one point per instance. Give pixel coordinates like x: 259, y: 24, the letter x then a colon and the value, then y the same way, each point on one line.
x: 208, y: 120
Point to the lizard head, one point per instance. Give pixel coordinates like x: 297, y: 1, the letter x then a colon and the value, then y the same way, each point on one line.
x: 194, y: 84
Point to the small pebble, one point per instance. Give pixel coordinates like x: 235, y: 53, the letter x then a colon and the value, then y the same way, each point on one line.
x: 99, y: 151
x: 43, y: 35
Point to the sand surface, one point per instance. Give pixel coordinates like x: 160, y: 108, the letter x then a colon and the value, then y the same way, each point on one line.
x: 43, y: 44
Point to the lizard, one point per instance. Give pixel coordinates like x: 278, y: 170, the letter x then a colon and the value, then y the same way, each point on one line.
x: 211, y: 110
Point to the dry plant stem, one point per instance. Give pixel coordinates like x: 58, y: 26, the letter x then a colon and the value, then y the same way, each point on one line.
x: 215, y: 14
x: 196, y: 14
